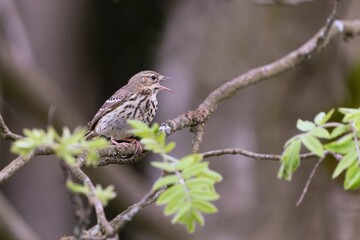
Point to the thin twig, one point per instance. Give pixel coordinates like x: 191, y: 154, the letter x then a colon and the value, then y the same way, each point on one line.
x: 6, y: 133
x: 99, y: 209
x: 312, y: 174
x: 281, y: 2
x: 329, y: 22
x: 246, y: 153
x: 332, y: 124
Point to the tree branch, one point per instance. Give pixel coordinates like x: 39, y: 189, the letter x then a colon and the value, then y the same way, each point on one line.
x: 19, y: 162
x: 121, y: 219
x: 12, y: 168
x: 288, y: 62
x: 121, y: 161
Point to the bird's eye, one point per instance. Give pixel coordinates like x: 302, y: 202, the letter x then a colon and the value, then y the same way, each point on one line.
x: 153, y: 77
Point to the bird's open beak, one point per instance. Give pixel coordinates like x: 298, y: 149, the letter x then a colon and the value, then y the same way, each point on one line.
x: 162, y: 87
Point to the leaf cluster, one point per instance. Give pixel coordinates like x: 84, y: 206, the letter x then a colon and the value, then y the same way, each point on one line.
x: 188, y: 181
x: 340, y: 139
x: 66, y: 146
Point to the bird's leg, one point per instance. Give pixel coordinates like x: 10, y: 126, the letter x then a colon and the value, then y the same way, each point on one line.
x: 113, y: 140
x: 138, y: 147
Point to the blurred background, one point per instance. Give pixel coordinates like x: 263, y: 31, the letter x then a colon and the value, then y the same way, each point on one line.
x: 60, y: 60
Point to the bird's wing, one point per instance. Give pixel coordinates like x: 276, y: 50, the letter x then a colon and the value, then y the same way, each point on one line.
x: 115, y: 100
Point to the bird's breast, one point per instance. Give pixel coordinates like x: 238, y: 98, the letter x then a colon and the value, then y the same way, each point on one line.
x: 114, y: 123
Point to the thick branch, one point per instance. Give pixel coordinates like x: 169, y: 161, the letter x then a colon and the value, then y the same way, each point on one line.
x: 198, y: 131
x: 12, y: 168
x: 121, y: 161
x: 290, y: 61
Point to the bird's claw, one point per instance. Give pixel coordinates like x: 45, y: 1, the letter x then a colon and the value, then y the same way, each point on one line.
x: 128, y: 143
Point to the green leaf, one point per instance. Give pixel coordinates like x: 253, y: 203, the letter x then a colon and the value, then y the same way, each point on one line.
x: 164, y: 181
x: 357, y: 124
x: 204, y: 195
x: 170, y: 167
x: 67, y: 157
x: 195, y: 169
x: 291, y: 140
x: 350, y: 114
x: 199, y: 182
x: 342, y: 145
x: 305, y: 126
x: 339, y: 130
x: 215, y: 176
x: 345, y: 163
x: 185, y: 208
x: 23, y: 147
x: 204, y: 206
x: 76, y: 188
x: 313, y: 144
x: 105, y: 195
x: 174, y: 192
x: 327, y: 117
x: 149, y: 142
x: 320, y: 132
x: 141, y: 133
x: 160, y: 139
x: 92, y: 157
x: 190, y: 226
x: 319, y: 117
x: 169, y: 147
x: 198, y: 217
x: 290, y: 160
x: 352, y: 177
x: 348, y: 110
x: 96, y: 143
x: 155, y: 128
x: 188, y: 160
x: 138, y: 125
x: 172, y: 207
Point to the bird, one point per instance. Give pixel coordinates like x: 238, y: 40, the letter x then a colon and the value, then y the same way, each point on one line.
x: 137, y: 100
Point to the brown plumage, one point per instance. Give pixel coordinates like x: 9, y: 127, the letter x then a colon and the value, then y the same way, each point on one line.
x: 136, y: 100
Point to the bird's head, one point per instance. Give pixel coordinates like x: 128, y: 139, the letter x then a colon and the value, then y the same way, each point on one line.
x: 148, y: 82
